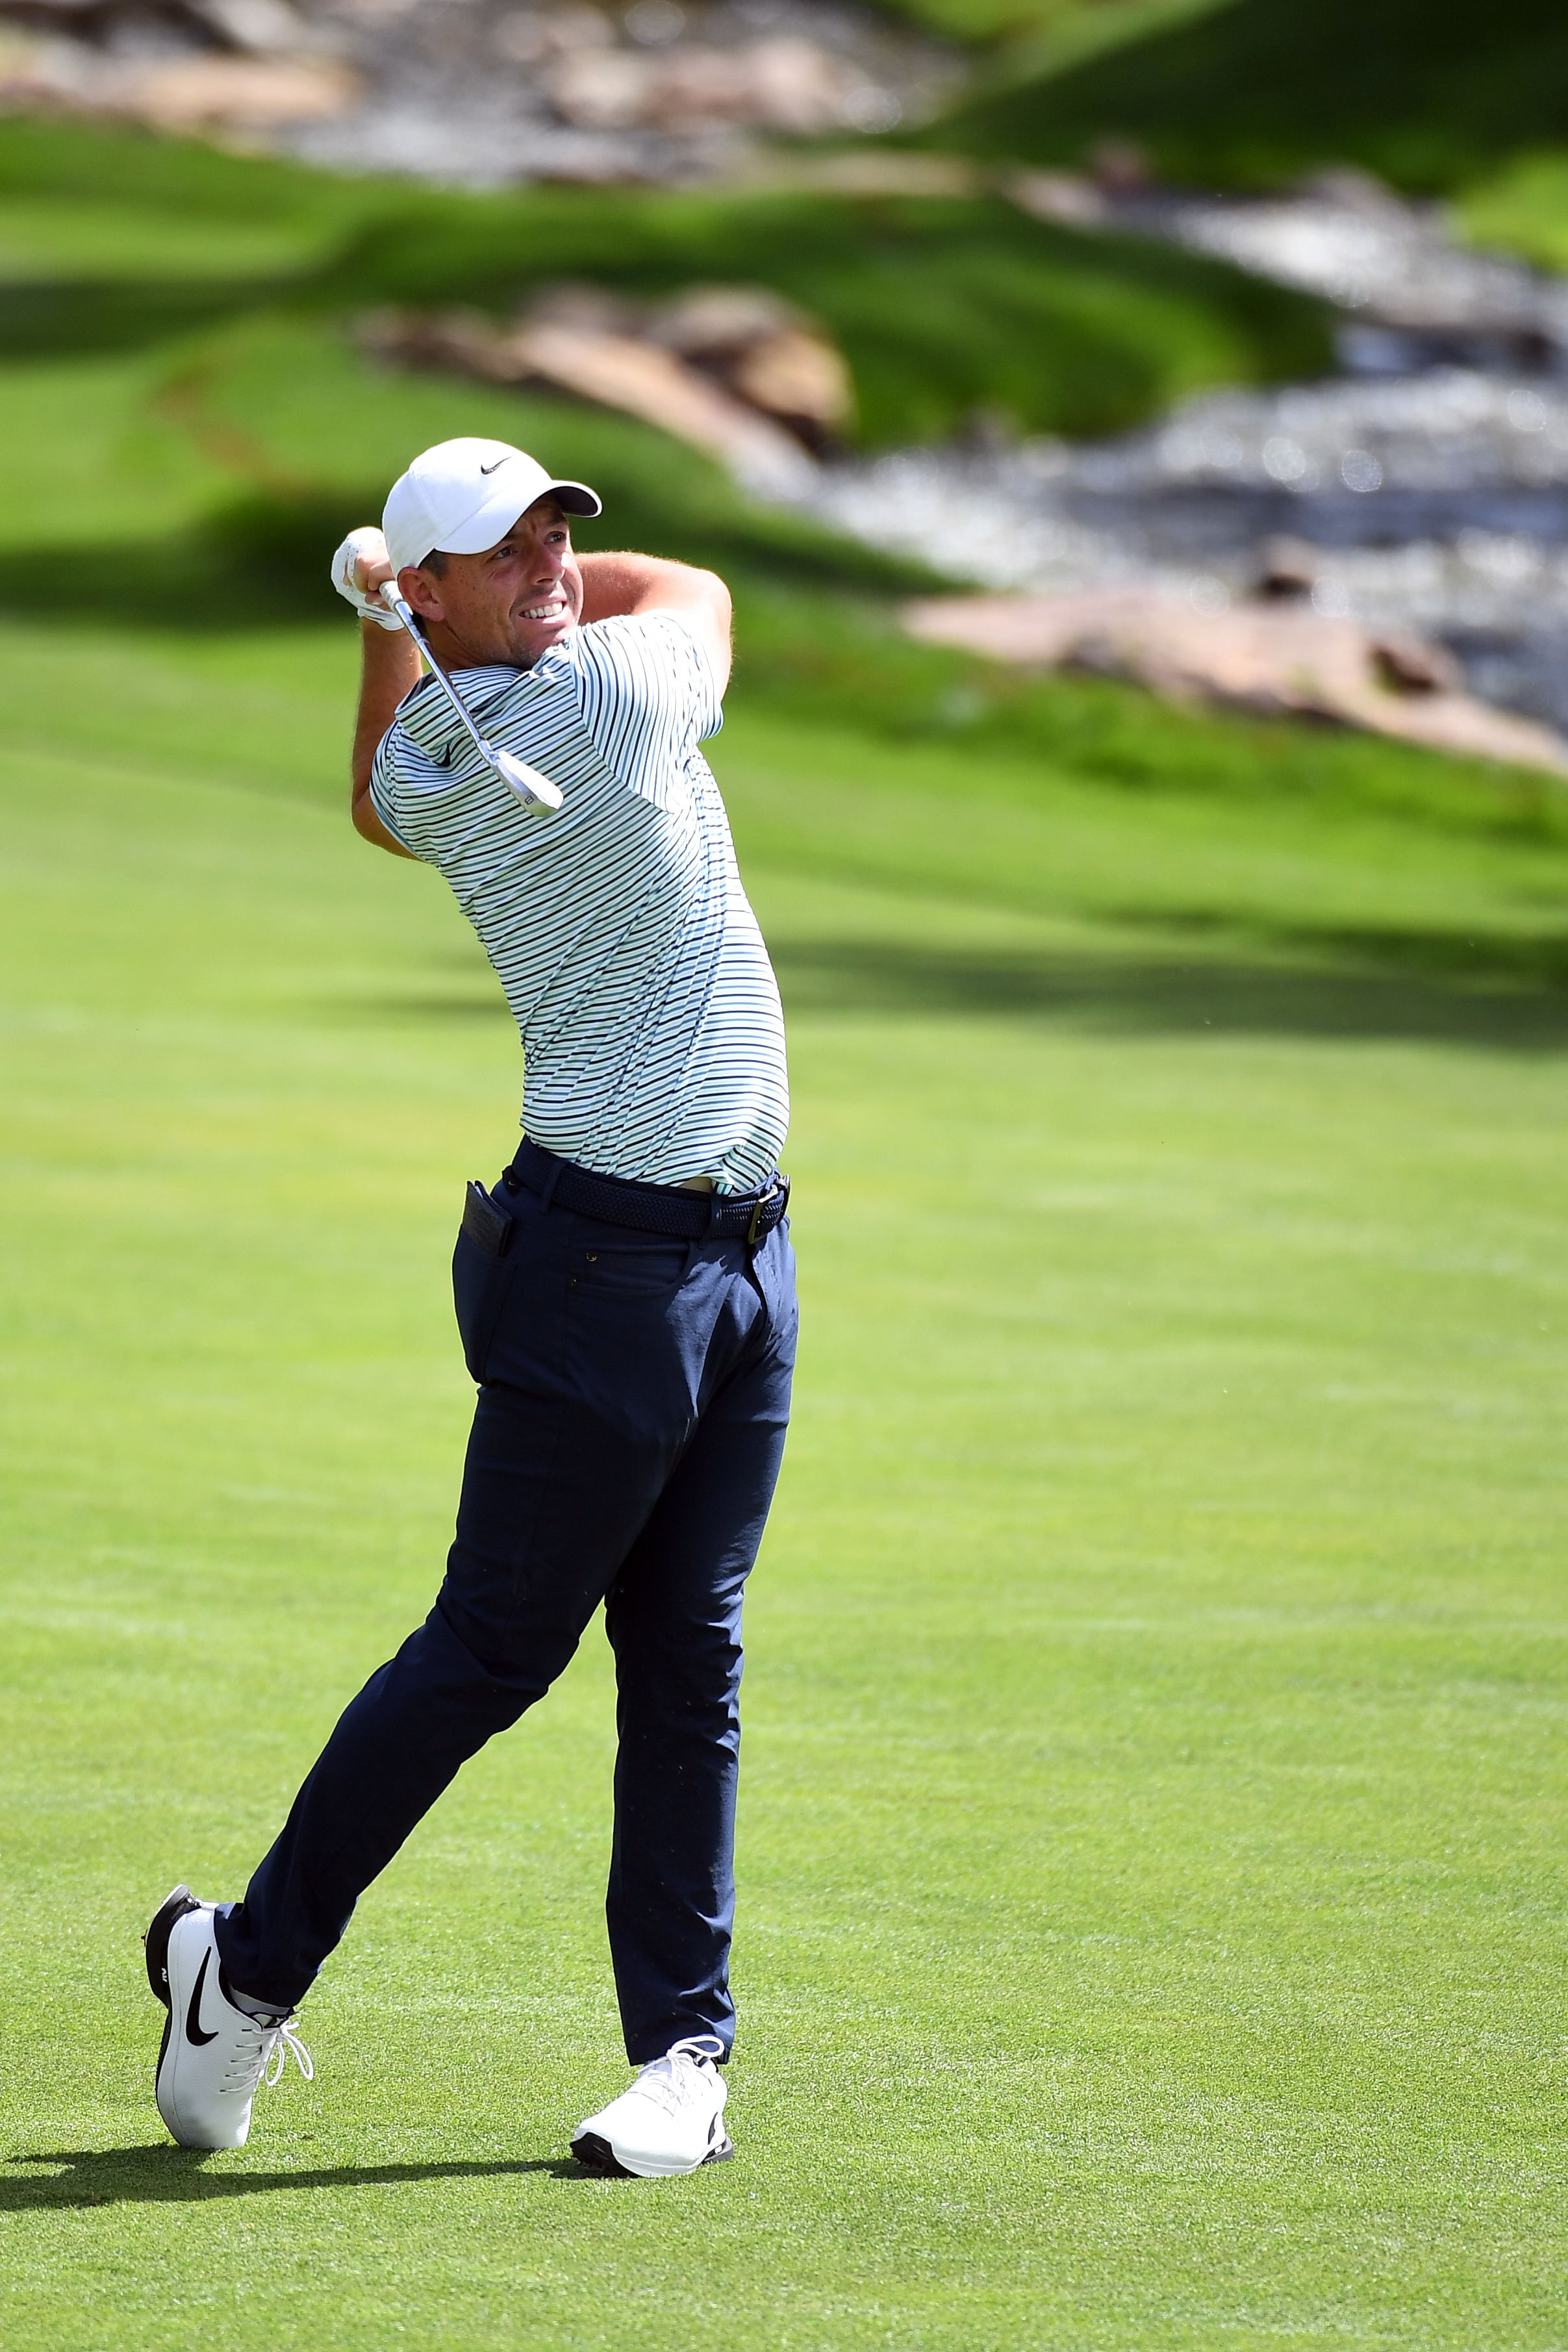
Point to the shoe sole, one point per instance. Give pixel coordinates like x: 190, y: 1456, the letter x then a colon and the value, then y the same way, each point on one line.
x: 596, y: 2155
x: 173, y: 1907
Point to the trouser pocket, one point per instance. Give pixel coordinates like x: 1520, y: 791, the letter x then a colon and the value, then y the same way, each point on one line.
x: 482, y: 1273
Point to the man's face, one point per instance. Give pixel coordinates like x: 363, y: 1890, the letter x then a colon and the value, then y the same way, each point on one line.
x: 510, y: 604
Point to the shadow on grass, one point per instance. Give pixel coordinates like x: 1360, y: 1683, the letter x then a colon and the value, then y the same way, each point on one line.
x: 161, y: 2174
x: 253, y: 563
x: 78, y: 318
x: 1163, y: 994
x: 259, y: 558
x: 1146, y: 995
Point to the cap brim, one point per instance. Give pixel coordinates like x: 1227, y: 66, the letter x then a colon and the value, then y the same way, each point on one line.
x: 500, y: 511
x: 576, y: 497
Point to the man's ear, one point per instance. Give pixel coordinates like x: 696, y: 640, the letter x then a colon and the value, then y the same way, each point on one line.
x: 421, y: 591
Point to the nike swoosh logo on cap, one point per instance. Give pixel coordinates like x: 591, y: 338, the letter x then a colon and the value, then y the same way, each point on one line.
x: 193, y: 2015
x: 499, y: 463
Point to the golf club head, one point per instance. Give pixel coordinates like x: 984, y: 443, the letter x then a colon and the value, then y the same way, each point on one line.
x: 532, y: 789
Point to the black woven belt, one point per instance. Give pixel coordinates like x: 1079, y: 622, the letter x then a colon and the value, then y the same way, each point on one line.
x: 649, y: 1208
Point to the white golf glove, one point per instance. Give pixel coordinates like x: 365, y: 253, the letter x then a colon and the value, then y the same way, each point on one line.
x: 367, y: 546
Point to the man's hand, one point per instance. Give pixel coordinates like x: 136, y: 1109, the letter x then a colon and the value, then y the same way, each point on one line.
x: 652, y: 584
x: 359, y: 568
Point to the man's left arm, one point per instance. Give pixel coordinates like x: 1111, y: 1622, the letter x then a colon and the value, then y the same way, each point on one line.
x: 624, y: 584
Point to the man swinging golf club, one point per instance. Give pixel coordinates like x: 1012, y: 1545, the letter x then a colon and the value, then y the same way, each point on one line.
x: 625, y: 1296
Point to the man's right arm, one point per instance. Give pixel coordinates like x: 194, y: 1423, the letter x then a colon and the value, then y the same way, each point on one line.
x: 390, y: 668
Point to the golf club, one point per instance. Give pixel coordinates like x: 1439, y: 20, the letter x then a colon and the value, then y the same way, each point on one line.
x: 532, y: 790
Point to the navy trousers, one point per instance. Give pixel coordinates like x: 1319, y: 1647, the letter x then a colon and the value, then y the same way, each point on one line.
x: 634, y: 1394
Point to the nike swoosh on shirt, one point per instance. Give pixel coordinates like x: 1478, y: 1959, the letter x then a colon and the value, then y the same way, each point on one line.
x: 193, y: 2015
x: 495, y: 469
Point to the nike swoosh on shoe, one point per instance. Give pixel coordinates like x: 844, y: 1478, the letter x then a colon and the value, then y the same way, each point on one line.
x: 194, y: 2013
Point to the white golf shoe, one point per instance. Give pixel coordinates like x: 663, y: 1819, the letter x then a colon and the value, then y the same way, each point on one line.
x: 670, y: 2121
x: 215, y: 2055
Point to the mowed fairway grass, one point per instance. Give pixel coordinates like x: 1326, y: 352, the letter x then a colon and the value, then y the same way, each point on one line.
x: 1153, y: 1887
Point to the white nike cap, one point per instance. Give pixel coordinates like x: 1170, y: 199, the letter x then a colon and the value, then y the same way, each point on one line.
x: 462, y: 496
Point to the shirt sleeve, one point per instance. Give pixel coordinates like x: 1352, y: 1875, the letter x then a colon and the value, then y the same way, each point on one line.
x: 384, y: 785
x: 650, y: 697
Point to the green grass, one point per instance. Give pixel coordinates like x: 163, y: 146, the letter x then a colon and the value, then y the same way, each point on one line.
x: 1151, y: 1915
x: 1432, y: 94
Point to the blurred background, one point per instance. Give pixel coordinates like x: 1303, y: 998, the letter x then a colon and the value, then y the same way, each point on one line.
x: 1225, y: 337
x: 1136, y: 433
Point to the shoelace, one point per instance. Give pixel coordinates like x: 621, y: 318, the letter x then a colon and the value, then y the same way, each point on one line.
x: 683, y: 2074
x: 263, y: 2053
x: 285, y: 2041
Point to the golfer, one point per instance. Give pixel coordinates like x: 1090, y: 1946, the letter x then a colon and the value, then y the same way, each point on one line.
x: 625, y: 1294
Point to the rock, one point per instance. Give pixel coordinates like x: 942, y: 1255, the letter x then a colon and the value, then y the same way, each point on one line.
x: 623, y: 373
x: 654, y: 24
x: 1288, y: 567
x: 1410, y: 666
x: 263, y: 28
x: 1121, y: 168
x: 209, y: 91
x: 800, y: 380
x: 615, y: 369
x: 600, y: 90
x: 230, y: 93
x: 715, y: 323
x: 1061, y: 196
x: 773, y: 85
x: 1254, y: 657
x: 760, y: 348
x: 573, y: 302
x: 1350, y: 188
x: 797, y: 87
x: 488, y: 92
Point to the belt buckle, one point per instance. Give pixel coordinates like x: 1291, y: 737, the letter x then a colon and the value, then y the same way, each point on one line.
x: 766, y: 1202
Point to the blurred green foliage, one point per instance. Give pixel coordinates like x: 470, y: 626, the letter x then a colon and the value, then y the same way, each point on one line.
x: 1428, y: 94
x: 232, y: 461
x: 944, y: 307
x: 1524, y: 207
x: 180, y: 447
x: 1056, y: 29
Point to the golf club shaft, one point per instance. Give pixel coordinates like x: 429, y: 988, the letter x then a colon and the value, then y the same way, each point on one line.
x: 389, y: 597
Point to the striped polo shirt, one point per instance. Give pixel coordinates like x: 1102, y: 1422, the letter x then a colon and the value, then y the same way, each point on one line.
x: 652, y: 1036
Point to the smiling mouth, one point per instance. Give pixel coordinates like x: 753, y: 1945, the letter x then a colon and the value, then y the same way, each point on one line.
x: 554, y: 609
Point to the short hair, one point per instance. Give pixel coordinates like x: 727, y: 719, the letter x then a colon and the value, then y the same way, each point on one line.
x: 434, y: 562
